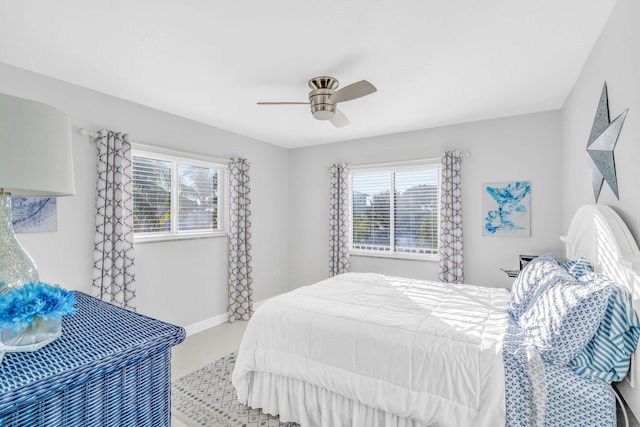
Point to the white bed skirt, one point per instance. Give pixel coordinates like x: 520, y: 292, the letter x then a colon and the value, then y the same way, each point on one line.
x: 311, y: 406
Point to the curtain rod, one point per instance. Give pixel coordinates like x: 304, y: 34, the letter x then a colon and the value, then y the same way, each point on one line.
x: 94, y: 135
x: 458, y: 153
x: 84, y: 132
x: 462, y: 153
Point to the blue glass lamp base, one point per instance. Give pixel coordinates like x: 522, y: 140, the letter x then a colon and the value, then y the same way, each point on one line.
x: 34, y: 337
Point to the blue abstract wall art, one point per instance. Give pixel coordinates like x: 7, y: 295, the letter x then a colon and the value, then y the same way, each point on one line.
x: 507, y: 209
x: 33, y: 214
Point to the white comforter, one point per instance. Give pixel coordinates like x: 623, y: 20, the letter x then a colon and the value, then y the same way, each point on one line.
x: 425, y: 351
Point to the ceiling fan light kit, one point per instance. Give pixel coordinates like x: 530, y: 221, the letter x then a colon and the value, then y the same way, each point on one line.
x: 324, y: 97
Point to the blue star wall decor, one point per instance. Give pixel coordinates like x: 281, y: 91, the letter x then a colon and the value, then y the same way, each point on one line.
x: 602, y: 141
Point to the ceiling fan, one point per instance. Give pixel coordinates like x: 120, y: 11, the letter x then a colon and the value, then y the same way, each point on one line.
x: 324, y: 98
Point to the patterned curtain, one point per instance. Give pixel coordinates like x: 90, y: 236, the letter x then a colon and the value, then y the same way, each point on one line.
x: 240, y: 280
x: 451, y: 259
x: 339, y: 220
x: 113, y: 255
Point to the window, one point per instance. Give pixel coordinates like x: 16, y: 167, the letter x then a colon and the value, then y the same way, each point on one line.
x: 395, y: 210
x: 177, y: 195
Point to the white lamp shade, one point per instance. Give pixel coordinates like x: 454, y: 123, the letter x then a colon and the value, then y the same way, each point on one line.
x: 36, y: 157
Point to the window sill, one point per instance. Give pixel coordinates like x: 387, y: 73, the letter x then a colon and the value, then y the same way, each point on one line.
x: 169, y: 237
x: 398, y: 256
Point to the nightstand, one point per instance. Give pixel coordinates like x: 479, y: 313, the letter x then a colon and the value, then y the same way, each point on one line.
x: 511, y: 273
x: 523, y: 260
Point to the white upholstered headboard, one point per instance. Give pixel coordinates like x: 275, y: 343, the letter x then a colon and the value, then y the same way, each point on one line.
x: 598, y: 233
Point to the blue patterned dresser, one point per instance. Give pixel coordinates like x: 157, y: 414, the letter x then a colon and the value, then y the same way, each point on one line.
x: 111, y: 367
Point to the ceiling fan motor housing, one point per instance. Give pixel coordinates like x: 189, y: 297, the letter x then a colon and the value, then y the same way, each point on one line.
x: 322, y: 107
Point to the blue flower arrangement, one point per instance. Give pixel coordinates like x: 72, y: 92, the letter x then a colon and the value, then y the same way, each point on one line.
x: 24, y: 306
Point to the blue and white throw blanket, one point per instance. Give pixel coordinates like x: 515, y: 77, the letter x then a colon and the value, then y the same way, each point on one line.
x: 608, y: 355
x: 547, y: 393
x: 544, y: 394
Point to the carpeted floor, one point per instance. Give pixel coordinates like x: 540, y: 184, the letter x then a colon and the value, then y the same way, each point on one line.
x: 207, y: 398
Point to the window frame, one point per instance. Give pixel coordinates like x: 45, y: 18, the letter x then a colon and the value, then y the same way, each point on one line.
x: 403, y: 166
x: 176, y: 158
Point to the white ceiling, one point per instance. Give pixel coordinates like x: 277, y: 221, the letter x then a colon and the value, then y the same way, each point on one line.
x: 434, y: 62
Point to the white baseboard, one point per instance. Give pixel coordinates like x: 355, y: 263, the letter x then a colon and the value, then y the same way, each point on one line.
x: 200, y: 326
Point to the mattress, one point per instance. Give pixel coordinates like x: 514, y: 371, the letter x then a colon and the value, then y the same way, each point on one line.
x: 428, y: 353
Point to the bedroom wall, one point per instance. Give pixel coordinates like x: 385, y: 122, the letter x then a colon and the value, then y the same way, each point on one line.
x: 516, y: 148
x: 614, y: 59
x: 184, y: 281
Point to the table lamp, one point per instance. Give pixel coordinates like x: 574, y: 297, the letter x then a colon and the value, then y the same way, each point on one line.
x: 36, y: 159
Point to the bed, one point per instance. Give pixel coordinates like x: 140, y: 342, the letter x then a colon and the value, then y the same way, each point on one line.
x: 363, y: 349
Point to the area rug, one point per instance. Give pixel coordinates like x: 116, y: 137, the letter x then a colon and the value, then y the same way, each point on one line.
x: 207, y: 398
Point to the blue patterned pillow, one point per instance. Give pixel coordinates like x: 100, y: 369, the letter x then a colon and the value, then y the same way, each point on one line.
x: 578, y: 268
x: 534, y: 278
x: 565, y: 317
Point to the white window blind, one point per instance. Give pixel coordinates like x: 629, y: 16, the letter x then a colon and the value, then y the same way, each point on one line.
x: 371, y: 214
x: 177, y: 196
x: 198, y: 204
x: 151, y: 194
x: 395, y: 210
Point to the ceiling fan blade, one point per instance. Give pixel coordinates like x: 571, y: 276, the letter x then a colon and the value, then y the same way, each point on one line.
x: 339, y: 119
x: 281, y: 103
x: 353, y: 91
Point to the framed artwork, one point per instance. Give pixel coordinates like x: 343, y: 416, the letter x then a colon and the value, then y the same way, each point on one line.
x: 506, y: 209
x: 34, y: 214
